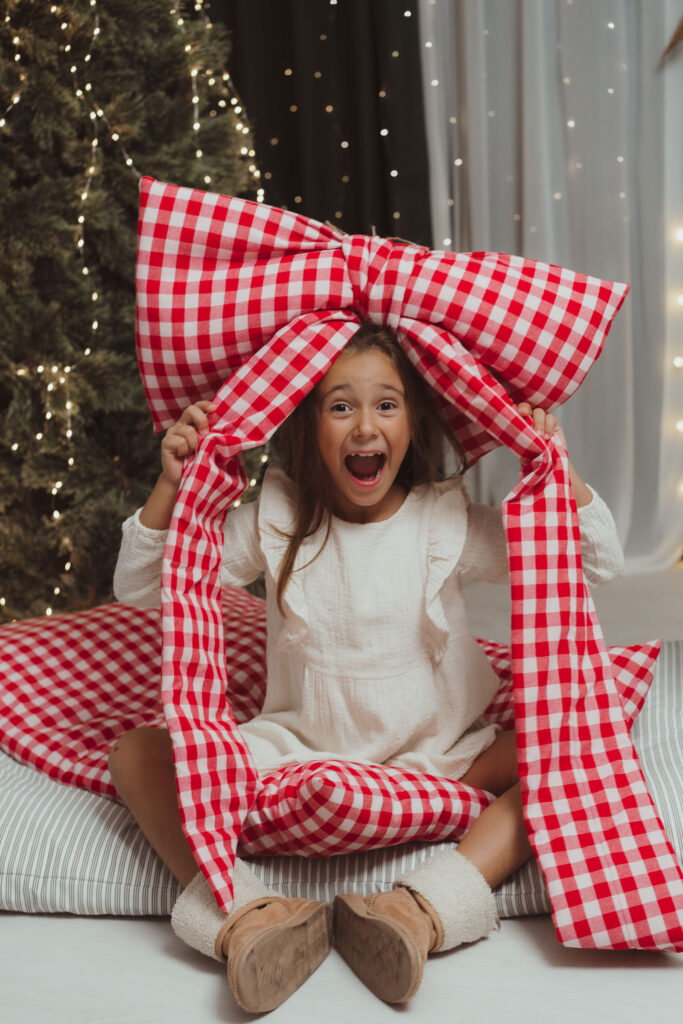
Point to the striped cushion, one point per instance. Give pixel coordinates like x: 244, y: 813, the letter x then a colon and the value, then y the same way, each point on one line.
x: 63, y: 849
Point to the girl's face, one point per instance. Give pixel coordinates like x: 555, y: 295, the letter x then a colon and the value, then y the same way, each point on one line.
x: 363, y: 434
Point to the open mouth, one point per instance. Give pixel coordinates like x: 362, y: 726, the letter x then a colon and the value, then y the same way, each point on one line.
x: 365, y: 467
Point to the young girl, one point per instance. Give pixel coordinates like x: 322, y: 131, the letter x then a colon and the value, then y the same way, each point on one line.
x: 368, y: 660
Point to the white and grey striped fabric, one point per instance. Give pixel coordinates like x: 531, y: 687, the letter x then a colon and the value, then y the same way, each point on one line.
x: 65, y: 850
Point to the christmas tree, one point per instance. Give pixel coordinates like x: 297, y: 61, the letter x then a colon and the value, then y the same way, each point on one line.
x: 93, y: 94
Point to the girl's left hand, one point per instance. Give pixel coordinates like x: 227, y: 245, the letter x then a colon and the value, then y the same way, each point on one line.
x: 544, y: 422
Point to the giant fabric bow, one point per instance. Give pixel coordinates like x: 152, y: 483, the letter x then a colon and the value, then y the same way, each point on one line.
x: 255, y: 303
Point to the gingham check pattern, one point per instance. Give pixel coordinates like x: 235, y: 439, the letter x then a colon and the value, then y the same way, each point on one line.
x: 72, y: 683
x: 227, y: 286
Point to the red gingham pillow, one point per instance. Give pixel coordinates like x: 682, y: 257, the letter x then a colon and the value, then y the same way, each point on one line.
x: 72, y: 683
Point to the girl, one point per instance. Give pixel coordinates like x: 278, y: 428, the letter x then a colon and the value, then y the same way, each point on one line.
x: 364, y: 546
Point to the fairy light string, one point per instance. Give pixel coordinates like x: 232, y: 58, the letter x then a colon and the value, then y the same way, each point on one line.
x: 52, y: 380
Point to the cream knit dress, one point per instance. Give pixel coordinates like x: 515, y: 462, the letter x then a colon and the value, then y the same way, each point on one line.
x: 373, y: 661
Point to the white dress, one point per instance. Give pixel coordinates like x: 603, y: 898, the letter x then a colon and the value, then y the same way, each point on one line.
x: 373, y: 660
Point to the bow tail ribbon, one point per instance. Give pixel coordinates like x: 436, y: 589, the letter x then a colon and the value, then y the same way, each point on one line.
x: 216, y: 779
x: 592, y: 823
x: 610, y: 869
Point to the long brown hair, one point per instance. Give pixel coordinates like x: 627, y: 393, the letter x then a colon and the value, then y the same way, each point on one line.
x: 301, y: 460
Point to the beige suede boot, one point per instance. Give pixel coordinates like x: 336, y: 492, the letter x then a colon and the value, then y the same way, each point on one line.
x: 270, y: 944
x: 271, y: 947
x: 386, y: 938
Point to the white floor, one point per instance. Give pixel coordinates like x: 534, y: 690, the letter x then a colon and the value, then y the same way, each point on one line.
x: 94, y: 971
x: 69, y: 970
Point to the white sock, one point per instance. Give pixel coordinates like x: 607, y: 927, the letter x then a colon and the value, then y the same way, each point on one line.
x: 196, y: 917
x: 458, y: 893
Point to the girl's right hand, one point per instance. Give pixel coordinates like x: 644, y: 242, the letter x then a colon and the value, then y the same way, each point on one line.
x: 181, y: 440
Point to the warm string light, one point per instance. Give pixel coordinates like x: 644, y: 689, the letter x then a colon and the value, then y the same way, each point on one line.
x: 344, y: 144
x: 227, y: 91
x: 254, y: 481
x: 56, y: 378
x: 678, y: 360
x: 16, y: 95
x: 571, y: 123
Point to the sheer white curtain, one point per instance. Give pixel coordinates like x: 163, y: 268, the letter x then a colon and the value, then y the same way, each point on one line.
x: 555, y: 132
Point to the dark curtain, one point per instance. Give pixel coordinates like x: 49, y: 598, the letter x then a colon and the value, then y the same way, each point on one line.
x: 320, y: 82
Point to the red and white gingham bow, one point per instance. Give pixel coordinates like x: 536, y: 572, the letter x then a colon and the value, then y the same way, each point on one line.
x: 255, y: 303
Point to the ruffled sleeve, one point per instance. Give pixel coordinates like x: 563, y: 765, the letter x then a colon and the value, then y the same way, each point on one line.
x: 447, y: 532
x: 276, y: 519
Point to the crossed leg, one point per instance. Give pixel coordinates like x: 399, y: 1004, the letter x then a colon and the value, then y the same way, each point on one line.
x: 141, y: 767
x: 497, y: 842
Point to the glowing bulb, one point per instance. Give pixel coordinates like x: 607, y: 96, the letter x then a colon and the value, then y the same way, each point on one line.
x: 678, y: 362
